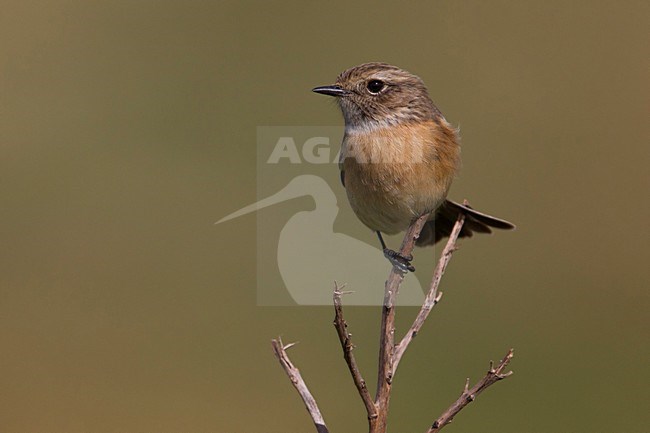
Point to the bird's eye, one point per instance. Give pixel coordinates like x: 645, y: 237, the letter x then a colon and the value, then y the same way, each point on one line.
x: 375, y: 86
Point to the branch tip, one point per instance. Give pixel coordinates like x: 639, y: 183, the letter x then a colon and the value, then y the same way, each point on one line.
x: 289, y: 346
x: 345, y: 338
x: 279, y: 349
x: 468, y: 395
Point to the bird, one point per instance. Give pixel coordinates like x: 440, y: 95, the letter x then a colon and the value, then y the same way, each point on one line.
x: 399, y: 156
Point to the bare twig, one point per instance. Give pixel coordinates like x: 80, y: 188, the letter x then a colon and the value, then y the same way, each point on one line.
x: 346, y: 344
x: 387, y: 330
x: 469, y: 395
x: 432, y: 297
x: 279, y: 349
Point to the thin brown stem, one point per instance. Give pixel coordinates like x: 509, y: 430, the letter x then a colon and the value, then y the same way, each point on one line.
x: 433, y: 296
x: 469, y: 395
x: 280, y: 351
x: 387, y: 330
x: 346, y: 344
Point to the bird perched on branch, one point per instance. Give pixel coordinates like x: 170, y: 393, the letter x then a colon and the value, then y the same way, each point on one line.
x: 399, y: 156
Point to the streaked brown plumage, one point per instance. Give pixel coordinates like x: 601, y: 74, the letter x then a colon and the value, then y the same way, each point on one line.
x: 399, y: 155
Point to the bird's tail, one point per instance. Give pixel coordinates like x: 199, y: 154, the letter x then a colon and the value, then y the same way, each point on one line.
x: 445, y: 218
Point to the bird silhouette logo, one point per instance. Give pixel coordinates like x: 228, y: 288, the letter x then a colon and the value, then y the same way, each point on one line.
x: 310, y: 255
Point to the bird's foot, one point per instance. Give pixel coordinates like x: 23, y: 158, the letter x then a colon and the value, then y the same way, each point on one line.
x: 403, y: 263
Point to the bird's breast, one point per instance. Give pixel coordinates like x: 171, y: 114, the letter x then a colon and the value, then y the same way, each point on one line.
x: 398, y: 172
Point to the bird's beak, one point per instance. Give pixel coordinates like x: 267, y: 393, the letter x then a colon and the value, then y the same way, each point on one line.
x: 331, y: 90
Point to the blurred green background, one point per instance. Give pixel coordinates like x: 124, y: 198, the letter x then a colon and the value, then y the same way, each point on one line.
x: 128, y: 127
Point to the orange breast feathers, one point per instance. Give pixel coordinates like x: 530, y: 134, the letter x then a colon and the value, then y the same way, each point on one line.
x: 396, y: 173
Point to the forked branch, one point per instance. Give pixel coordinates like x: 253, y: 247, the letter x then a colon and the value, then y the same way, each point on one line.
x: 346, y: 344
x: 469, y: 395
x: 391, y: 354
x: 280, y: 351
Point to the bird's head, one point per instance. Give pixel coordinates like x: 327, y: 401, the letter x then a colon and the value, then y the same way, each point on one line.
x: 379, y: 94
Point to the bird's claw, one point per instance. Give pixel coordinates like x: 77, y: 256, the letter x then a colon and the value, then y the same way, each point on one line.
x: 403, y: 263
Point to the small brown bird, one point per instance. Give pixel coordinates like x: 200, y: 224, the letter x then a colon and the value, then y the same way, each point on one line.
x: 399, y: 156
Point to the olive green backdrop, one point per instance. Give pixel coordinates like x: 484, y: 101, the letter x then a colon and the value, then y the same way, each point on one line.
x: 128, y: 127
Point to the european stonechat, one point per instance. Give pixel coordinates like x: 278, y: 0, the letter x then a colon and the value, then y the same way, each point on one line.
x: 399, y: 156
